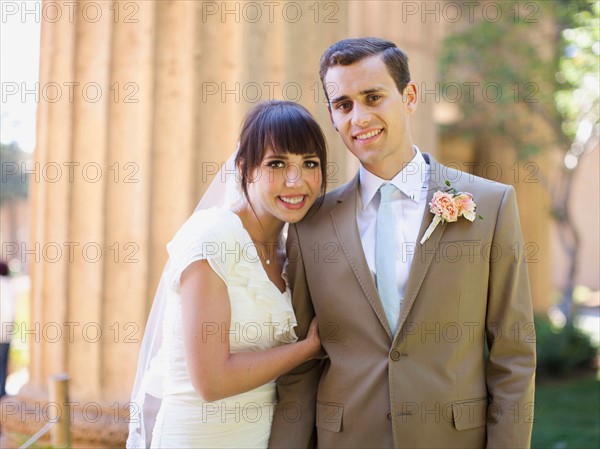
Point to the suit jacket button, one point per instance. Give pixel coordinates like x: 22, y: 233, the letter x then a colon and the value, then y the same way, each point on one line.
x: 389, y: 416
x: 395, y: 355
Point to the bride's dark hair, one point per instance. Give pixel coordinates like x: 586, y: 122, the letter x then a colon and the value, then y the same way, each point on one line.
x: 284, y: 127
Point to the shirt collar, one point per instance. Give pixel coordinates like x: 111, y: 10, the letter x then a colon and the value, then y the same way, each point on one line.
x: 409, y: 180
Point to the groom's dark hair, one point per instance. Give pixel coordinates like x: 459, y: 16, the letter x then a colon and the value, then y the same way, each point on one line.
x: 349, y: 51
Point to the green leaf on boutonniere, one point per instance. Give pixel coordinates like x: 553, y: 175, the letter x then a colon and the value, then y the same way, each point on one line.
x: 447, y: 183
x: 480, y: 217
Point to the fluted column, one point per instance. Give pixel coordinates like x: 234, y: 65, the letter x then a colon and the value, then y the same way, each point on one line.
x: 219, y: 106
x: 53, y: 203
x: 86, y: 225
x: 50, y: 200
x: 127, y: 294
x: 173, y: 125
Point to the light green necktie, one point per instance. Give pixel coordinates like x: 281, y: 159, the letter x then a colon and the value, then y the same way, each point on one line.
x: 385, y: 257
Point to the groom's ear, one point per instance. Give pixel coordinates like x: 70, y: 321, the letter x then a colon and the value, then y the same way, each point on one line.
x: 411, y: 95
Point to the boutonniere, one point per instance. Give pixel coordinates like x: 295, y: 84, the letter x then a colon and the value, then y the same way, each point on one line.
x: 448, y: 207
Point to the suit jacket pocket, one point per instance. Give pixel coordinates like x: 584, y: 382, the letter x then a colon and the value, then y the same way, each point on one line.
x: 470, y: 414
x: 329, y: 416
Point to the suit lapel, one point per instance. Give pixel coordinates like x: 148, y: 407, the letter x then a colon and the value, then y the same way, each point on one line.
x: 346, y: 229
x: 424, y: 253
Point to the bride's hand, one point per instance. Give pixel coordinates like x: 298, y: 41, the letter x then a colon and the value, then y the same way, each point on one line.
x: 313, y: 340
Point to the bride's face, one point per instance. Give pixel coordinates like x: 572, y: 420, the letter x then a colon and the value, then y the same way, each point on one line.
x: 285, y: 185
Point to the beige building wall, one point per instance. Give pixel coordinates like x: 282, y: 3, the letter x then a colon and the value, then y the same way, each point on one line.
x: 143, y: 100
x: 585, y: 209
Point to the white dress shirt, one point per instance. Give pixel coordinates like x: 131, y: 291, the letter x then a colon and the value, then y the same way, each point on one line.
x: 408, y: 206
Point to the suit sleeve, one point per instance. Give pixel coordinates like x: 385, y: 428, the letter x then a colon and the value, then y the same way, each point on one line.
x: 294, y: 416
x: 510, y: 333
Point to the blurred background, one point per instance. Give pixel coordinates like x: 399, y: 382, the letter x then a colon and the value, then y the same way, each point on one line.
x: 117, y: 114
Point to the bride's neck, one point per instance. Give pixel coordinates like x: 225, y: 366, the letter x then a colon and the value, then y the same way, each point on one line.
x: 264, y: 229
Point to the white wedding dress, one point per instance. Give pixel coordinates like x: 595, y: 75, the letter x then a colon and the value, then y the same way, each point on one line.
x: 261, y: 317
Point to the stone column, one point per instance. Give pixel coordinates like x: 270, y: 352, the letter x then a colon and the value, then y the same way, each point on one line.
x: 127, y: 295
x: 51, y: 200
x: 170, y: 171
x: 218, y: 110
x: 87, y: 201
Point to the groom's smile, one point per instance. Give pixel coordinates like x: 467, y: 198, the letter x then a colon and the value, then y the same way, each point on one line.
x: 368, y: 136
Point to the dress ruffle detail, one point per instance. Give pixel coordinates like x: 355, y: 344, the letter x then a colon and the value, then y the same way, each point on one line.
x: 257, y: 285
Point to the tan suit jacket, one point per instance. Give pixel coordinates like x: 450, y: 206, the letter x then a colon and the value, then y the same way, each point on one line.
x: 459, y: 372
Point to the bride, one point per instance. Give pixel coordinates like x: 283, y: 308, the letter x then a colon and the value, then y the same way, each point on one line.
x: 221, y: 329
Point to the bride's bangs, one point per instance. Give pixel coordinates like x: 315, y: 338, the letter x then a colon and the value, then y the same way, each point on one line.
x: 291, y: 130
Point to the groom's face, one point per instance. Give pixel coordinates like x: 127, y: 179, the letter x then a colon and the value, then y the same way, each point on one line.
x: 371, y: 115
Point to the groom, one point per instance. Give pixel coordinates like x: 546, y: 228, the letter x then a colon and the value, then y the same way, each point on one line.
x: 430, y: 340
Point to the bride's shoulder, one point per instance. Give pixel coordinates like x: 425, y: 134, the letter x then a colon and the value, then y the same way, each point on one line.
x: 208, y: 225
x: 213, y: 217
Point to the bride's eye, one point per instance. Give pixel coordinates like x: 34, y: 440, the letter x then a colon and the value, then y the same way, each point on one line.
x: 311, y: 164
x: 275, y: 164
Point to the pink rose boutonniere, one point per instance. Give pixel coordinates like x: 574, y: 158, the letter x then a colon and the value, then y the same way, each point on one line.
x: 448, y: 207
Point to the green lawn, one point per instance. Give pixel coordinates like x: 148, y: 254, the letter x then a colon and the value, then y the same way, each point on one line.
x: 567, y: 415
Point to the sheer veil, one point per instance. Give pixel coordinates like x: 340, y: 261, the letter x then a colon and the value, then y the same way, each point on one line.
x: 223, y: 192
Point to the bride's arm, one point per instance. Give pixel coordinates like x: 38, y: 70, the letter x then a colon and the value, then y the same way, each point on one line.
x: 215, y: 372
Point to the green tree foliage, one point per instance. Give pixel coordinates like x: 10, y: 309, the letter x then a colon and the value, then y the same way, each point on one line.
x: 577, y: 96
